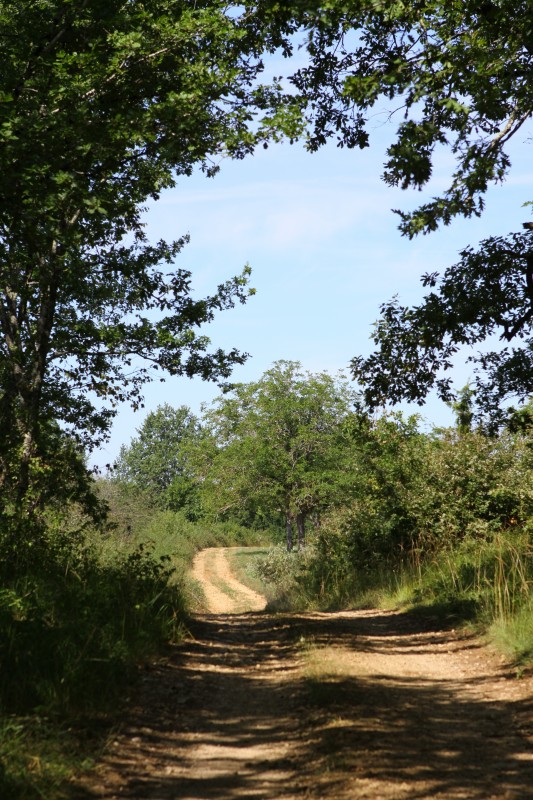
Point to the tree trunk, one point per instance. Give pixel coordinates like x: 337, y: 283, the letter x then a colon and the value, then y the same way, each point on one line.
x: 300, y: 524
x: 288, y: 527
x: 27, y: 362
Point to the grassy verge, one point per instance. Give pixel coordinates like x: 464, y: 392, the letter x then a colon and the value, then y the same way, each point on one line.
x: 40, y: 756
x: 283, y: 576
x: 73, y: 628
x: 243, y: 564
x: 482, y: 582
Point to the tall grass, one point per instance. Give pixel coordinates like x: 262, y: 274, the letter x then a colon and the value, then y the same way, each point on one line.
x: 282, y: 575
x: 493, y: 576
x: 72, y: 630
x: 485, y: 581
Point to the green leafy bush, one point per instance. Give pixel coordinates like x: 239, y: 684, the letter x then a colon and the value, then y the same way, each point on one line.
x: 440, y: 519
x: 72, y: 631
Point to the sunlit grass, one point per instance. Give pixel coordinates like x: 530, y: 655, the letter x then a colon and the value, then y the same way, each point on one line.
x: 243, y: 565
x: 513, y: 635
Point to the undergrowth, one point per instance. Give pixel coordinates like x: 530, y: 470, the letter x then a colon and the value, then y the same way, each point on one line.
x: 77, y: 617
x: 73, y: 628
x: 487, y: 583
x: 282, y: 576
x: 243, y: 564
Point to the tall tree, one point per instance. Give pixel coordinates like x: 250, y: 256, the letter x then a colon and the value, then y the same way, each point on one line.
x: 156, y: 461
x: 103, y: 104
x: 274, y: 446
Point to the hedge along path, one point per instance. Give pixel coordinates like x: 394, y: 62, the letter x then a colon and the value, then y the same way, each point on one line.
x: 351, y: 705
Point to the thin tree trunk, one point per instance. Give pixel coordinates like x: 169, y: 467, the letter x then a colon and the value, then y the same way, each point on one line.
x: 300, y: 524
x: 288, y: 527
x: 23, y: 406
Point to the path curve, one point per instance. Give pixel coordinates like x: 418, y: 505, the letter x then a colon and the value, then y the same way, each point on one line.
x: 353, y: 705
x: 224, y: 594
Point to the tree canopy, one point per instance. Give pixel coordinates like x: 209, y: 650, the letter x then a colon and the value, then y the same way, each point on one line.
x: 155, y: 460
x: 103, y: 104
x: 454, y: 74
x: 272, y: 447
x: 488, y: 292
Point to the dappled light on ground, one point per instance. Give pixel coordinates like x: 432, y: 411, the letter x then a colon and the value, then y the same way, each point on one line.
x: 355, y: 705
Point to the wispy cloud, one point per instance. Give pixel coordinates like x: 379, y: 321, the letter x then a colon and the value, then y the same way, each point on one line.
x: 272, y: 215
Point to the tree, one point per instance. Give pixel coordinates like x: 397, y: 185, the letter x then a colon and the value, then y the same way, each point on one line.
x: 458, y: 76
x: 374, y: 524
x: 155, y: 460
x: 463, y: 410
x: 103, y: 104
x: 489, y: 291
x: 274, y: 446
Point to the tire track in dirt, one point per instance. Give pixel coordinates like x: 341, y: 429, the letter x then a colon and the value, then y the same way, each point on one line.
x: 356, y: 705
x: 401, y: 709
x: 224, y: 594
x: 218, y: 719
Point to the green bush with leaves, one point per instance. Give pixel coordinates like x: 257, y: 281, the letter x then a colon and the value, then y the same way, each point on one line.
x: 155, y: 461
x: 77, y: 616
x: 447, y: 514
x: 72, y: 631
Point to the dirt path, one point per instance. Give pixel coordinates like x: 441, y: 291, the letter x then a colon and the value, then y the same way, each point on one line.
x: 224, y: 594
x: 352, y: 705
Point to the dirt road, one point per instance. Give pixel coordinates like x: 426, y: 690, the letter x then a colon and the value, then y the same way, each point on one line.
x: 224, y: 594
x: 367, y: 704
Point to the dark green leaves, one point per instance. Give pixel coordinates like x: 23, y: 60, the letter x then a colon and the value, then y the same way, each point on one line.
x: 102, y: 106
x: 274, y: 446
x: 455, y: 74
x: 488, y: 292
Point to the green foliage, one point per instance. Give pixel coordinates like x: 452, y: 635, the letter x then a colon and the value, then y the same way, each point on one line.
x: 128, y: 509
x: 488, y: 579
x: 274, y: 447
x: 155, y: 461
x: 463, y: 409
x: 375, y: 525
x: 59, y: 479
x: 172, y: 534
x: 440, y: 520
x: 134, y: 523
x: 488, y: 292
x: 243, y: 563
x: 76, y: 620
x: 513, y: 635
x: 37, y: 757
x: 458, y: 78
x: 459, y: 71
x: 77, y: 615
x: 102, y: 106
x: 73, y: 630
x: 282, y: 574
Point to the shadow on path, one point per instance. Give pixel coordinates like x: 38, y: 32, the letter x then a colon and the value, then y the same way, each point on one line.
x: 229, y: 716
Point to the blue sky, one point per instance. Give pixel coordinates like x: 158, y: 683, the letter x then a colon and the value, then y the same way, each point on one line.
x: 322, y: 241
